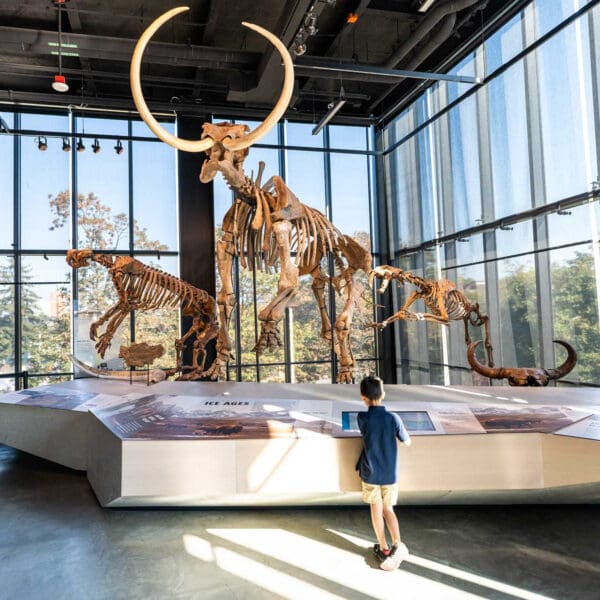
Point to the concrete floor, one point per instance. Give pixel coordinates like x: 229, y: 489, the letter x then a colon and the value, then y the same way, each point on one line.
x: 57, y: 543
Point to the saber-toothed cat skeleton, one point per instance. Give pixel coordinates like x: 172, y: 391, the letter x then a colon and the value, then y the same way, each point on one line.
x: 441, y: 298
x: 143, y: 288
x: 266, y: 224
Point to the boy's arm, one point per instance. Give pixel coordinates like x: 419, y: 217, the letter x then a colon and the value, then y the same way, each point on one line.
x: 360, y: 419
x: 401, y: 432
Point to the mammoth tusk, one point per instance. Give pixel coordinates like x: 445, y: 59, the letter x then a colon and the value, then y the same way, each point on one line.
x: 490, y: 372
x: 284, y: 99
x: 569, y: 363
x: 138, y: 96
x: 154, y: 375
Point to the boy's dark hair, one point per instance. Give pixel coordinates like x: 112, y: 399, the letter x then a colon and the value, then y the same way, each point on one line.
x: 371, y: 387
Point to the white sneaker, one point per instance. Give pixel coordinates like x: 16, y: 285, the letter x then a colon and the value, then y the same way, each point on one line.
x: 393, y: 561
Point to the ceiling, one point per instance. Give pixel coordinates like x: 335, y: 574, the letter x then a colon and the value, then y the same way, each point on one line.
x: 205, y: 60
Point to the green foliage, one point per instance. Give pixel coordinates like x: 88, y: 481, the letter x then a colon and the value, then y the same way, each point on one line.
x: 575, y: 307
x: 518, y: 314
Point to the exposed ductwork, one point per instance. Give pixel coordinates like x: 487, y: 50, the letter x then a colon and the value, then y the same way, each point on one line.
x: 443, y: 17
x: 426, y: 26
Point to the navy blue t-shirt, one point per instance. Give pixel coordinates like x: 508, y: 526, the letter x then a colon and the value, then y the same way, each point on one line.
x: 378, y: 460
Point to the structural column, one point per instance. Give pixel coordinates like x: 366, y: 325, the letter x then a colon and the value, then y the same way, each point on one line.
x: 196, y: 224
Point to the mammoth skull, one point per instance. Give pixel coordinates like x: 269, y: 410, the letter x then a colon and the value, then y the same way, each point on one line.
x: 524, y: 376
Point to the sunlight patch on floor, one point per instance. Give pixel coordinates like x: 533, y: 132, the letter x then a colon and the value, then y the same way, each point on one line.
x: 346, y: 568
x: 457, y: 573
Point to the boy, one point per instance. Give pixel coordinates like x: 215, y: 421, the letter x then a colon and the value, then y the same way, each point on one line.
x: 377, y: 469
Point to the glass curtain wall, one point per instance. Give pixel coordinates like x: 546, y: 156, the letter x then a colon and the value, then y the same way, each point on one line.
x: 332, y: 172
x: 83, y: 182
x: 495, y: 188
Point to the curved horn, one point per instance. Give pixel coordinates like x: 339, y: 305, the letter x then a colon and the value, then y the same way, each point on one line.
x: 569, y: 363
x: 138, y: 96
x: 283, y: 102
x: 490, y: 372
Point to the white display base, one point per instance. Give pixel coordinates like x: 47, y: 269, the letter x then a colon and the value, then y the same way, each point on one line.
x: 217, y: 444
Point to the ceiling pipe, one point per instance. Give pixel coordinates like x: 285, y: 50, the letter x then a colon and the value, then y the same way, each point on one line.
x: 438, y: 38
x: 425, y: 26
x: 435, y: 41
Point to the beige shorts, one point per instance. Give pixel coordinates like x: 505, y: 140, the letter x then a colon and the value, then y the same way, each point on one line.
x: 374, y: 494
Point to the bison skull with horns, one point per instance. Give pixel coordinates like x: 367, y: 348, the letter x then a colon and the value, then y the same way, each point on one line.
x: 524, y: 376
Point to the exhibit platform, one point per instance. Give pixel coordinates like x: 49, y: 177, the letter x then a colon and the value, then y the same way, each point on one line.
x: 258, y: 444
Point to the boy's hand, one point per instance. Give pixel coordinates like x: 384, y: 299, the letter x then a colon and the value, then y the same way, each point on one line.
x: 408, y: 442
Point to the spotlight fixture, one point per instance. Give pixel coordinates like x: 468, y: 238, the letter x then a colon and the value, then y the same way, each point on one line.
x: 96, y: 146
x: 80, y: 147
x: 299, y: 48
x: 307, y: 29
x: 119, y: 147
x: 310, y: 24
x: 66, y: 145
x: 42, y: 143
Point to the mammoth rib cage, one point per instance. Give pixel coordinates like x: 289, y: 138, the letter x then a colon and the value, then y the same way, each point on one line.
x: 310, y: 232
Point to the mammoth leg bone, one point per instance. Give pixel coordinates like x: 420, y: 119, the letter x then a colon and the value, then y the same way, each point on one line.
x: 271, y: 315
x: 225, y: 302
x: 342, y: 328
x: 318, y: 289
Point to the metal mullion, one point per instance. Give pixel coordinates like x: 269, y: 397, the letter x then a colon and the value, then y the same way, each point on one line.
x: 16, y: 255
x: 131, y: 216
x: 238, y: 320
x: 330, y: 262
x: 390, y: 337
x: 373, y: 236
x: 287, y: 331
x: 74, y: 235
x: 256, y: 326
x: 487, y: 200
x: 535, y: 138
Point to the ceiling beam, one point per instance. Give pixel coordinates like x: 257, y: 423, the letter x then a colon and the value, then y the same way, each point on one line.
x: 18, y: 40
x: 51, y: 100
x: 373, y: 73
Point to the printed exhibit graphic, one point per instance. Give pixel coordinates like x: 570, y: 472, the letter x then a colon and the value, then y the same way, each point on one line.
x: 176, y: 417
x: 134, y: 412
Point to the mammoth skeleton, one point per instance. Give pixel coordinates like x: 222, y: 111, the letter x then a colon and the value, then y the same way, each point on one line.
x: 524, y: 376
x: 267, y: 227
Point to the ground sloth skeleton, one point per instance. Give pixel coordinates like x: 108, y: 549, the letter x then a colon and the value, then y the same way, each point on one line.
x: 143, y: 288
